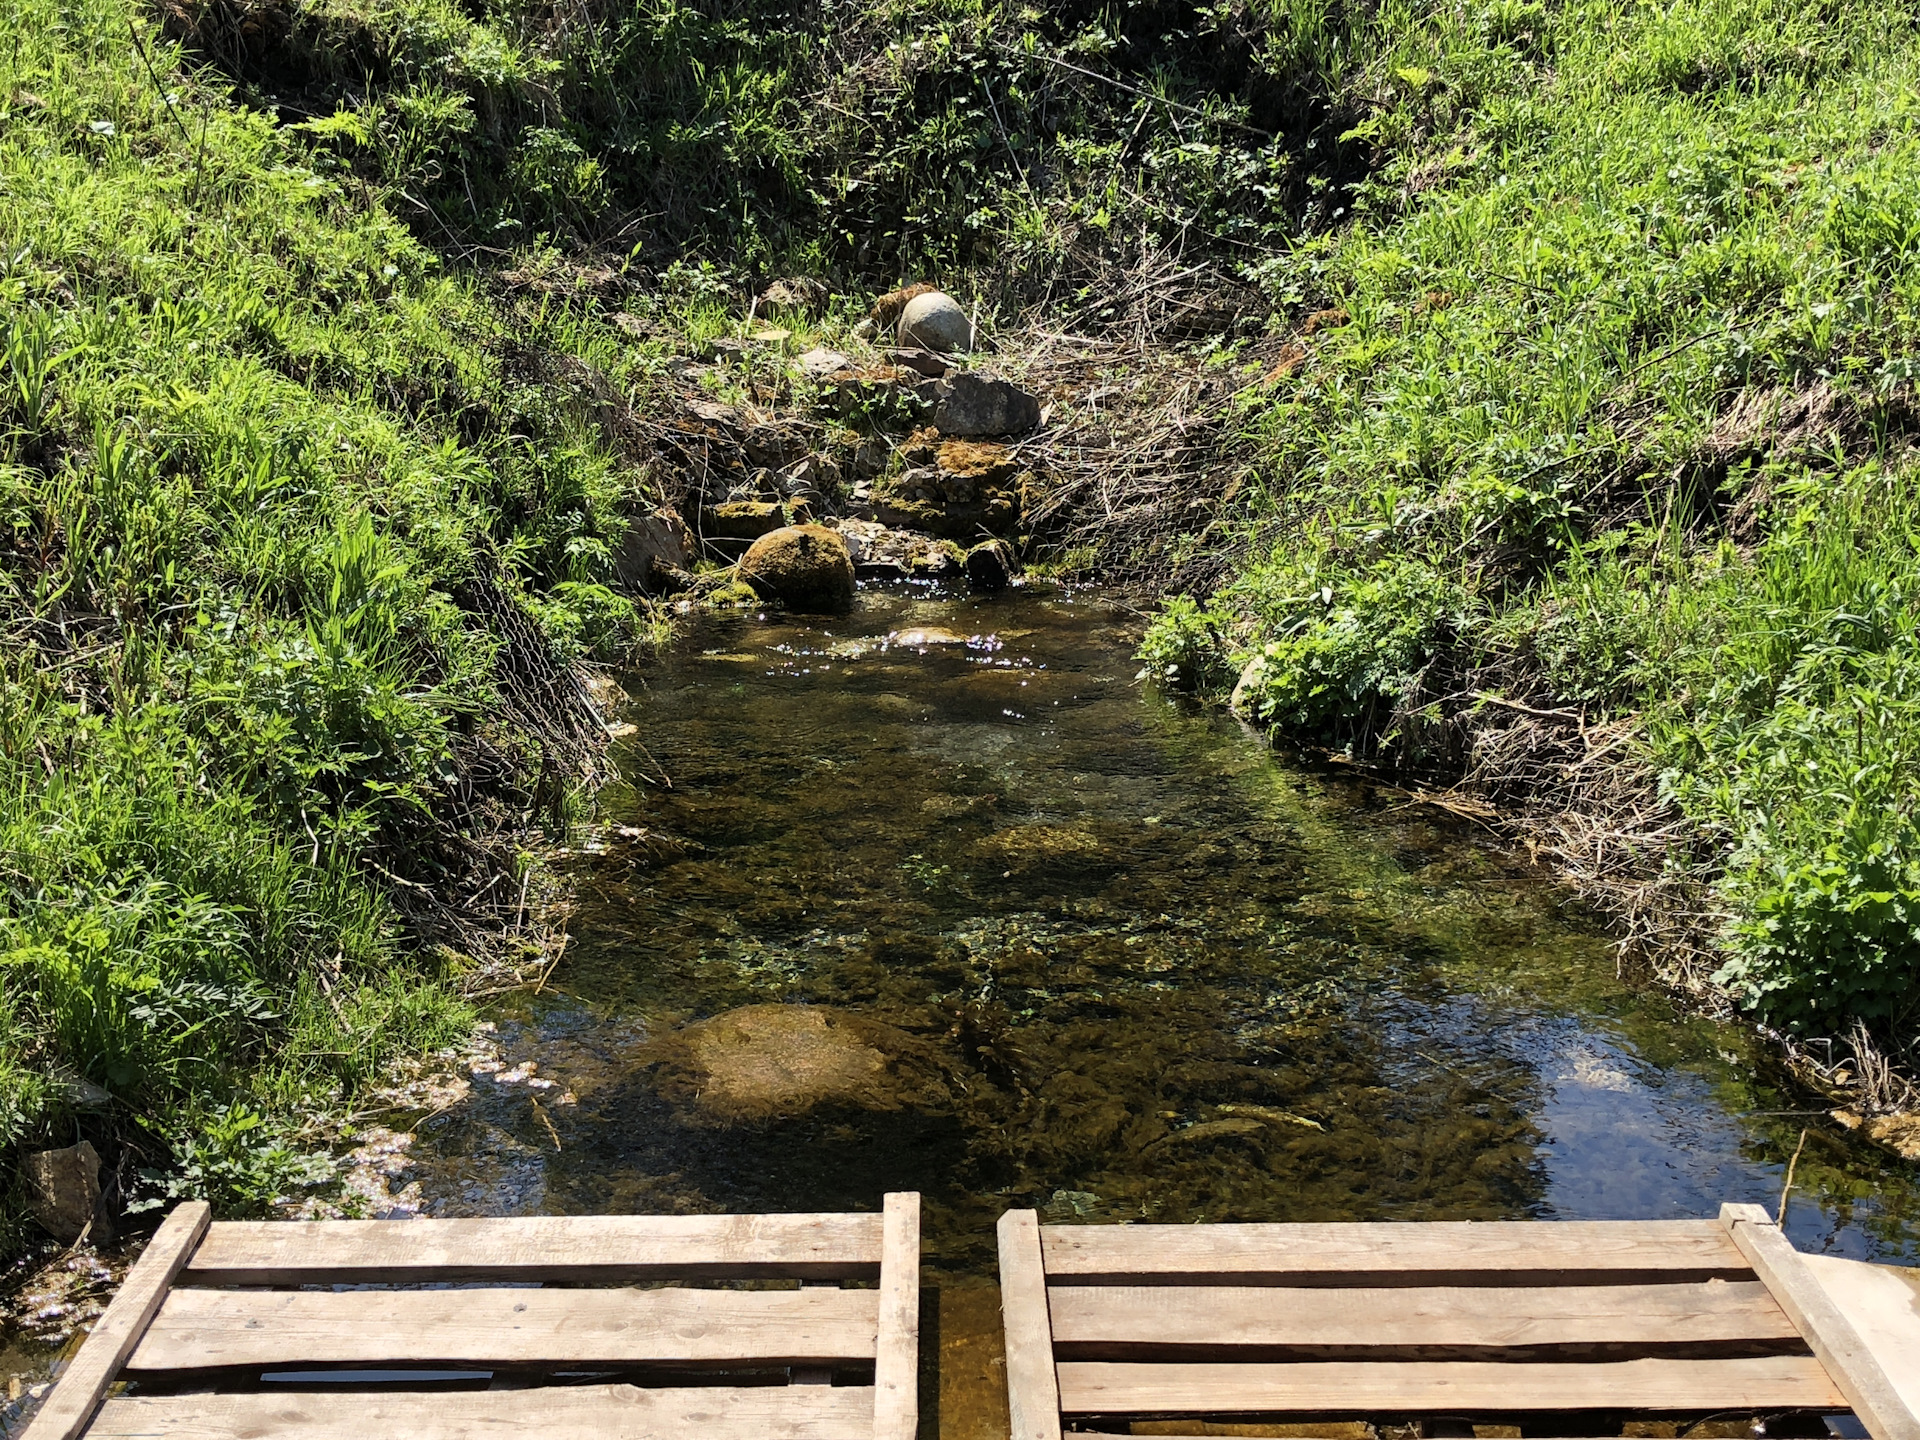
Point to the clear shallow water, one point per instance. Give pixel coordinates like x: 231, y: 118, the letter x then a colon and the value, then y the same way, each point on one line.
x: 1124, y: 962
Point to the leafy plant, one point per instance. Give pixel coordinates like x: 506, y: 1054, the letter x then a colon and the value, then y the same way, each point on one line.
x: 233, y: 1157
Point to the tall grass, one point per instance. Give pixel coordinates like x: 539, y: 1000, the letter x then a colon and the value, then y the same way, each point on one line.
x: 254, y: 441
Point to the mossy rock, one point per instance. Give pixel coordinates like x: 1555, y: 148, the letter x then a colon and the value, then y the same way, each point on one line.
x: 724, y: 588
x: 806, y: 567
x: 742, y: 519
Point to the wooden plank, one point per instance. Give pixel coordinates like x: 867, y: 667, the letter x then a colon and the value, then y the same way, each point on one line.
x: 1883, y: 1302
x: 1358, y: 1386
x: 585, y: 1412
x: 896, y: 1368
x: 1032, y: 1394
x: 1596, y: 1252
x: 1830, y: 1334
x: 114, y: 1334
x: 213, y: 1329
x: 605, y: 1248
x: 1138, y: 1323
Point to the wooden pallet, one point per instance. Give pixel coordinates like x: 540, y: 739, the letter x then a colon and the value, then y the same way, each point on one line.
x: 1107, y: 1322
x: 551, y: 1307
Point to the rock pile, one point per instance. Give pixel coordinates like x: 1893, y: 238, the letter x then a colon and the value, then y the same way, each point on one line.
x: 905, y: 440
x: 956, y: 489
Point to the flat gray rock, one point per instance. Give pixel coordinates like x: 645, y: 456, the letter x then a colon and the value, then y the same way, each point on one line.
x: 818, y: 363
x: 971, y: 406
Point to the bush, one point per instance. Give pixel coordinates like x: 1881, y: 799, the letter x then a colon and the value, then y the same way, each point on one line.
x: 1352, y: 650
x: 1822, y: 943
x: 257, y: 448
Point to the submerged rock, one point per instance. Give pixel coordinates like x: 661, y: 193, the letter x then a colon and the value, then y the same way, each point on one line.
x: 803, y: 566
x: 1026, y: 848
x: 764, y: 1061
x: 1209, y: 1130
x: 922, y: 636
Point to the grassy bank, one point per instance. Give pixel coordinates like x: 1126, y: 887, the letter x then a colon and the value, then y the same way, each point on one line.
x: 1594, y: 483
x: 286, y: 511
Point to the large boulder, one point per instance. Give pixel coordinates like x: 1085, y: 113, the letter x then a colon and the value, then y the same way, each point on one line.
x: 935, y: 321
x: 806, y: 567
x: 990, y: 567
x: 967, y: 405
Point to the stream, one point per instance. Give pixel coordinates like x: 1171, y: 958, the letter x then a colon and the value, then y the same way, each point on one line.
x: 985, y: 916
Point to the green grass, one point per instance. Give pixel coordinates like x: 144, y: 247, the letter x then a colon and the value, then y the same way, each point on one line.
x: 256, y: 449
x: 1621, y: 419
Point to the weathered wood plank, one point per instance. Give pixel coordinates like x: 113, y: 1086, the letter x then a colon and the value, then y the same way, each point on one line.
x: 545, y: 1247
x: 1348, y: 1387
x: 1389, y: 1253
x: 597, y: 1412
x: 114, y: 1334
x: 1883, y: 1302
x: 1831, y: 1335
x: 1032, y: 1395
x: 1144, y: 1322
x: 896, y: 1378
x: 212, y: 1329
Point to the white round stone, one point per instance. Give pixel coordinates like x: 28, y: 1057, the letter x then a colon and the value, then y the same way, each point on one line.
x: 935, y: 322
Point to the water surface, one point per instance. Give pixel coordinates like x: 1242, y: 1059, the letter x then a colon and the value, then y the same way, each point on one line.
x: 1134, y: 966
